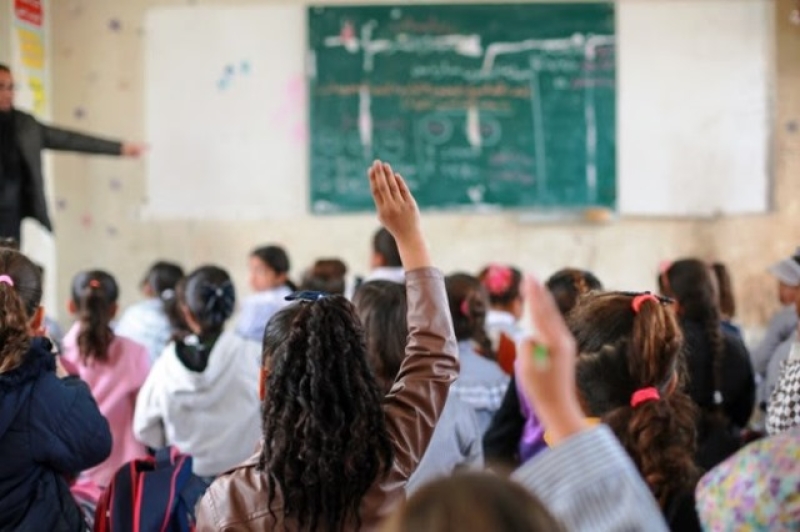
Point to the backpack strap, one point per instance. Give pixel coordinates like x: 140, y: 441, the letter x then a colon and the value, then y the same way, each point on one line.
x: 159, y: 491
x: 115, y: 508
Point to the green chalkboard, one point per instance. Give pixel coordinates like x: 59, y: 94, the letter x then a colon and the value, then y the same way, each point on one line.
x: 478, y: 106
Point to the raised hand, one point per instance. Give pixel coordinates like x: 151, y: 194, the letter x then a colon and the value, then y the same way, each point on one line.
x: 399, y: 214
x: 546, y: 368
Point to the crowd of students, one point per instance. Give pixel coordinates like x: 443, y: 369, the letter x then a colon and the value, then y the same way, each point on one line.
x: 407, y: 401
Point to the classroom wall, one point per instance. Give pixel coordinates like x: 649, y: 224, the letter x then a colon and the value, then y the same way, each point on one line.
x: 97, y: 54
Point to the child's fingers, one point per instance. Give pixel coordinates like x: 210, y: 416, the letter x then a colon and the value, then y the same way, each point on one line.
x: 377, y: 183
x: 391, y: 183
x: 402, y: 187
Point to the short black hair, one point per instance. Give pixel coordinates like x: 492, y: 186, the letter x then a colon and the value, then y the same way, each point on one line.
x: 4, y: 68
x: 384, y: 244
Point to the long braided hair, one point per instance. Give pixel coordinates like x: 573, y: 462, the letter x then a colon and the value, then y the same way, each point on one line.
x: 325, y: 437
x: 690, y: 282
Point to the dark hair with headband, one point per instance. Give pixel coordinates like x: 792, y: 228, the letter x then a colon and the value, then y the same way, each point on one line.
x: 469, y: 304
x: 326, y: 440
x: 630, y: 373
x: 95, y: 294
x: 208, y: 295
x: 20, y: 297
x: 502, y: 283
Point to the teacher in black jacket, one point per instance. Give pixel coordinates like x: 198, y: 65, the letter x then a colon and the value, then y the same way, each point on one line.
x: 22, y: 139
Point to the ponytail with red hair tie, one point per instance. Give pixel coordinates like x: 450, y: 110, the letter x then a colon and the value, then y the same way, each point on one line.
x: 639, y: 300
x: 644, y: 395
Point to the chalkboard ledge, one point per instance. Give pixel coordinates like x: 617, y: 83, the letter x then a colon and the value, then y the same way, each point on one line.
x: 593, y: 216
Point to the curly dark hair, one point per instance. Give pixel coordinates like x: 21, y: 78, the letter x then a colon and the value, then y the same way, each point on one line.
x: 326, y: 441
x: 622, y: 351
x: 18, y: 305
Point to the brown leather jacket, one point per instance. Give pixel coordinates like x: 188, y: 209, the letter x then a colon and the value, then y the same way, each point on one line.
x: 237, y: 500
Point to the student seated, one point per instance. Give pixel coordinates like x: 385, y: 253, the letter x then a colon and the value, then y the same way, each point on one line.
x: 152, y: 322
x: 336, y: 454
x: 202, y: 394
x: 481, y: 383
x: 114, y: 367
x: 585, y: 479
x: 504, y: 286
x: 269, y: 281
x: 630, y: 375
x: 326, y: 275
x: 720, y: 376
x: 456, y: 441
x: 386, y: 261
x: 50, y: 427
x: 774, y: 347
x: 516, y: 434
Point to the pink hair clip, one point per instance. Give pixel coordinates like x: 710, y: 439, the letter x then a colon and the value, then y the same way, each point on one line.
x: 6, y: 279
x: 498, y: 279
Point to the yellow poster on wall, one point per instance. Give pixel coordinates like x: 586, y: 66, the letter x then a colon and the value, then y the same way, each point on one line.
x: 29, y: 52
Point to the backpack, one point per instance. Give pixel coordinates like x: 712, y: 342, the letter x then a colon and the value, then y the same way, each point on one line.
x: 153, y: 494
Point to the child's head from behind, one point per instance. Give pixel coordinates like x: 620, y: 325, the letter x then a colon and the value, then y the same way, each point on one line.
x: 162, y: 279
x: 504, y: 286
x: 322, y: 412
x: 269, y: 268
x: 381, y: 306
x: 21, y: 315
x: 207, y: 299
x: 787, y: 272
x: 94, y: 304
x: 469, y: 304
x: 385, y: 253
x: 326, y: 275
x: 472, y: 502
x: 630, y: 373
x: 569, y: 285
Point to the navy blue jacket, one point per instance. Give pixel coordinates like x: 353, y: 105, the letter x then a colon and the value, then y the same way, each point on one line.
x: 49, y: 429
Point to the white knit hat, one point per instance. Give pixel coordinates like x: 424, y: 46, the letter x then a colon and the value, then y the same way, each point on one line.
x: 788, y: 270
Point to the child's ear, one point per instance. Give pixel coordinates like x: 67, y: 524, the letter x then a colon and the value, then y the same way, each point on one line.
x: 36, y: 325
x: 72, y: 308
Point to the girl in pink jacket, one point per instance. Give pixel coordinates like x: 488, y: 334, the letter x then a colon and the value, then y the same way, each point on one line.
x: 114, y: 368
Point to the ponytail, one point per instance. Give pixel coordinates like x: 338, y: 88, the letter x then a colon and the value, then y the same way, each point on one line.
x: 631, y: 374
x: 690, y: 282
x: 95, y: 295
x: 209, y: 295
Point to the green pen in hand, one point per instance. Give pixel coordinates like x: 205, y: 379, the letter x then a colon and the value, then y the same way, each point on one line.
x: 541, y: 358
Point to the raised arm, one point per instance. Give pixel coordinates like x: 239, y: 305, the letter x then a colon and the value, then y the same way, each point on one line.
x: 416, y: 400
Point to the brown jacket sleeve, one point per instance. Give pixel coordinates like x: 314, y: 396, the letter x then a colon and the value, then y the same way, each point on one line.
x: 416, y: 400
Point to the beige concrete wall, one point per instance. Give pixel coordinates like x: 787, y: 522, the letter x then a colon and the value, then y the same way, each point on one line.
x: 97, y: 66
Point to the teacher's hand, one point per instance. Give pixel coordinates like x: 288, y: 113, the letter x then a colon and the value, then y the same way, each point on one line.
x: 133, y: 149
